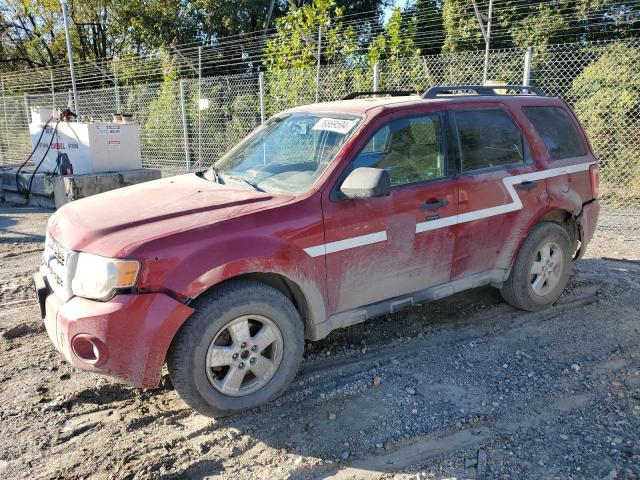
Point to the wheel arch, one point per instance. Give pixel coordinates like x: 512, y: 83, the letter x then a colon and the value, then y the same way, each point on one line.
x: 308, y: 305
x: 284, y: 285
x: 568, y: 220
x: 561, y: 216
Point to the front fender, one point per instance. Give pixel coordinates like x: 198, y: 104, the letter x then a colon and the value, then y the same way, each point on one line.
x: 211, y: 265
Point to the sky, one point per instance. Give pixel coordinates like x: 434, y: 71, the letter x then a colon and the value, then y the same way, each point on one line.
x: 394, y: 3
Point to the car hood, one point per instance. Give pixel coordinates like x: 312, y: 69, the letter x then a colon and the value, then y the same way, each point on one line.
x: 113, y: 223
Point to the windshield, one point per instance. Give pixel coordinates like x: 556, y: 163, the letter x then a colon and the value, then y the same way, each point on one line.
x: 289, y: 152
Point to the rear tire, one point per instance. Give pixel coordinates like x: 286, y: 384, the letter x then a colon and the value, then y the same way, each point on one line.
x: 541, y: 270
x: 241, y: 348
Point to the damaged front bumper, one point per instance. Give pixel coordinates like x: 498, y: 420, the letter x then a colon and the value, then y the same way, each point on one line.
x: 126, y: 337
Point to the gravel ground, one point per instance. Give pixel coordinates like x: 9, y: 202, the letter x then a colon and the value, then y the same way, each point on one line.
x: 466, y: 387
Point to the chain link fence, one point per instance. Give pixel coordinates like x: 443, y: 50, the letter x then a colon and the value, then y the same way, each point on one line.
x: 187, y: 124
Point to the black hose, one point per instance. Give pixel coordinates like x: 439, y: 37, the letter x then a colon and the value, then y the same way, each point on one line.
x: 33, y: 174
x: 44, y: 128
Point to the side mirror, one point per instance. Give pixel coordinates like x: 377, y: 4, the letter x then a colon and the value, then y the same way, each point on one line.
x: 365, y: 182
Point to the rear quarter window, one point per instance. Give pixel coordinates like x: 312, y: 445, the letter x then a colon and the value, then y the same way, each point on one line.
x: 556, y: 130
x: 488, y: 138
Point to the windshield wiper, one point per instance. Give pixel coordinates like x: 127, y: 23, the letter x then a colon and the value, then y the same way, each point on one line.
x: 243, y: 180
x: 211, y: 174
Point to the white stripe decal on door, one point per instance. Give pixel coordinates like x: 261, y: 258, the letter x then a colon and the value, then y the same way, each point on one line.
x: 516, y: 203
x: 509, y: 183
x: 346, y: 244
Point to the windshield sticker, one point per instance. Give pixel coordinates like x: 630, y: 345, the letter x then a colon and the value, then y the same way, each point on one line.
x: 337, y: 125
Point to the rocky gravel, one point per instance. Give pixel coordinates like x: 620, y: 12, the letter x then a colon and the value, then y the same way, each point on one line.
x: 466, y: 388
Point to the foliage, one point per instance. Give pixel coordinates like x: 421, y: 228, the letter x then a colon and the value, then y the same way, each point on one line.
x: 429, y: 34
x: 607, y: 101
x: 29, y: 32
x: 460, y: 26
x: 163, y: 110
x: 395, y: 50
x: 292, y: 54
x: 32, y: 34
x: 538, y: 24
x: 295, y: 44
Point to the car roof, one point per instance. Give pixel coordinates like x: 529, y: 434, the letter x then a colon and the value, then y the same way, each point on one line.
x: 364, y: 105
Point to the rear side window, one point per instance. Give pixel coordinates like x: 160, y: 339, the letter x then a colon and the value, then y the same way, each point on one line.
x: 488, y: 138
x: 556, y: 130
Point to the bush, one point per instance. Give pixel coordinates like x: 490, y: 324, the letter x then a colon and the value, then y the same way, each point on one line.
x: 607, y: 101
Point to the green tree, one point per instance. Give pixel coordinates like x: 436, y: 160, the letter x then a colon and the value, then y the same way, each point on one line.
x: 538, y: 24
x: 461, y: 28
x: 161, y: 133
x: 29, y: 33
x: 292, y: 53
x: 346, y: 58
x: 429, y: 35
x: 397, y: 53
x: 607, y: 100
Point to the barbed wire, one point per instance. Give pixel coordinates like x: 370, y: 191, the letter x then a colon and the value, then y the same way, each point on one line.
x: 246, y: 51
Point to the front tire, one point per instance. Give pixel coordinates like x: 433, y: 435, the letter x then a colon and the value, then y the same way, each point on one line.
x: 241, y: 348
x: 541, y: 270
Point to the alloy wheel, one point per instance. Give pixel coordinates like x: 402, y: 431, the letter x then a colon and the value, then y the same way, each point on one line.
x: 546, y: 269
x: 244, y: 355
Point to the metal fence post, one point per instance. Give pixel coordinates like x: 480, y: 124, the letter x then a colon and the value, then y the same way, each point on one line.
x: 526, y: 77
x: 53, y: 91
x: 6, y: 122
x: 199, y: 106
x: 376, y: 76
x: 487, y: 45
x: 318, y: 64
x: 185, y: 132
x: 116, y: 88
x: 261, y: 87
x: 72, y: 70
x: 26, y: 108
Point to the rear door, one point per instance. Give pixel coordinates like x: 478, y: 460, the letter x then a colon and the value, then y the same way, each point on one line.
x: 380, y: 248
x: 498, y: 198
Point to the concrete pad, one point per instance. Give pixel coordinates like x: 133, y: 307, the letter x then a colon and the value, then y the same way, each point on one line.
x: 53, y: 191
x: 72, y: 187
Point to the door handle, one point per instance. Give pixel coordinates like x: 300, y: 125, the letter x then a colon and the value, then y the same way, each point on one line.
x: 433, y: 204
x: 527, y: 185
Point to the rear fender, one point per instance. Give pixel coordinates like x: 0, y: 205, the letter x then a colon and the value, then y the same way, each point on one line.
x: 550, y: 214
x: 587, y: 220
x: 560, y: 199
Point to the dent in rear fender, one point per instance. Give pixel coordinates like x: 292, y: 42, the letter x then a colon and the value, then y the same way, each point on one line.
x: 564, y: 200
x: 281, y: 258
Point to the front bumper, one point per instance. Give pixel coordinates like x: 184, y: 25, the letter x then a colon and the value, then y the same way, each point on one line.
x: 126, y: 337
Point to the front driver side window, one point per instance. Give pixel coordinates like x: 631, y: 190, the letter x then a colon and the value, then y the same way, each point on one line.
x: 410, y: 149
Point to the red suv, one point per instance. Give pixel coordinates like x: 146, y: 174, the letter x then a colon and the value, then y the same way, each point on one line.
x: 325, y: 216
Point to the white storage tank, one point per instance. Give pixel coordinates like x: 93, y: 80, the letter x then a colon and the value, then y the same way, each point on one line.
x: 95, y: 147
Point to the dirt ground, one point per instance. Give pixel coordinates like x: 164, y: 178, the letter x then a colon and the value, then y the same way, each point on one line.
x: 466, y: 387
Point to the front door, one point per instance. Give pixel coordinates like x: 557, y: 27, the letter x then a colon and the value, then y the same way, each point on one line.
x: 380, y: 248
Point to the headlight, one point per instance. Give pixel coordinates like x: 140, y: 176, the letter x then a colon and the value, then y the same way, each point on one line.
x: 98, y: 277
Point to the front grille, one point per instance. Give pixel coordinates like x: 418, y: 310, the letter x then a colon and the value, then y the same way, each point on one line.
x: 55, y: 266
x: 60, y: 254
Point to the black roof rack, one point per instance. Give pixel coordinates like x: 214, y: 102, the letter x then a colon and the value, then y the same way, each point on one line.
x: 393, y: 93
x: 433, y: 92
